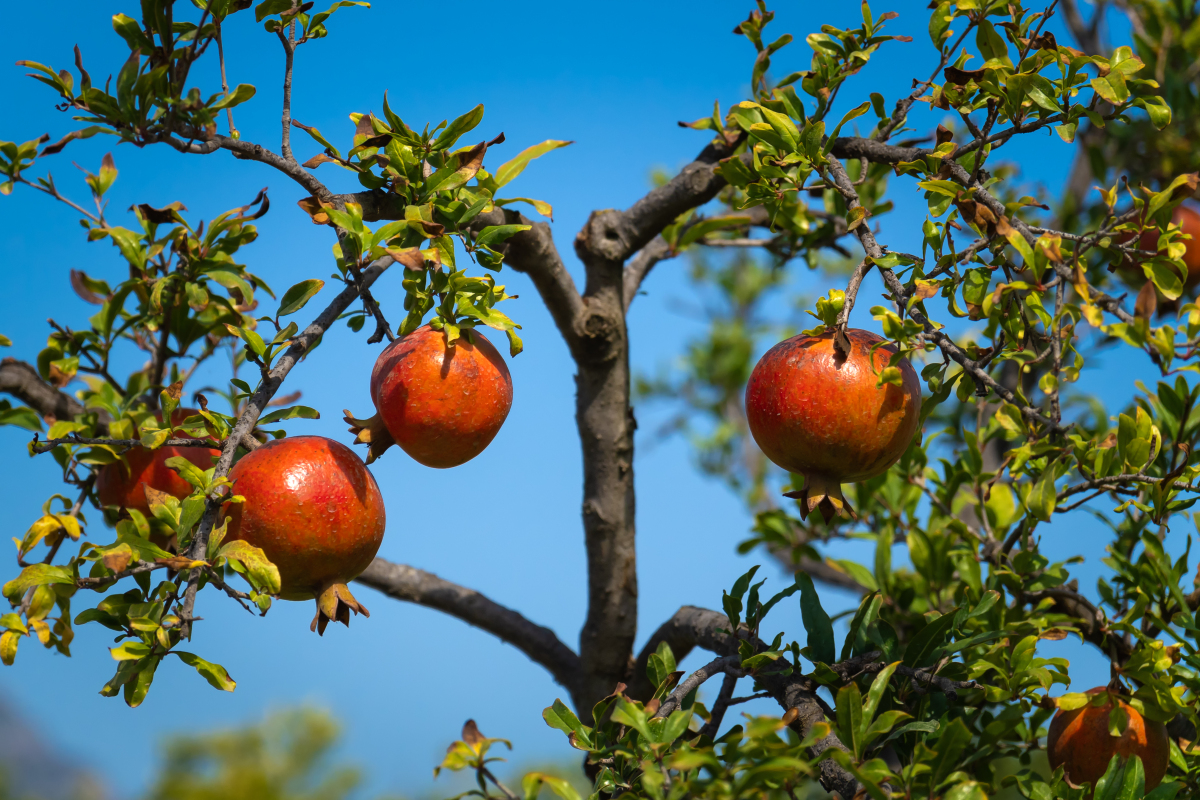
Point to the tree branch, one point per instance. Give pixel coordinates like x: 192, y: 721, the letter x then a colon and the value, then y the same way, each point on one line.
x: 637, y: 270
x: 412, y: 585
x: 610, y: 237
x: 203, y: 143
x: 724, y: 665
x: 692, y: 627
x: 289, y: 53
x: 1094, y: 629
x: 23, y: 382
x: 533, y: 252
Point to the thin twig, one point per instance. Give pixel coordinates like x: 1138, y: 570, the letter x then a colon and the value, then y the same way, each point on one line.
x: 224, y: 81
x: 724, y: 664
x: 38, y: 447
x: 289, y: 51
x: 724, y: 700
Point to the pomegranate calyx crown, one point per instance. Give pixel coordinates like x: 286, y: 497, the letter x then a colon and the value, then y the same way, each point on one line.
x: 335, y: 603
x: 371, y: 432
x: 820, y: 494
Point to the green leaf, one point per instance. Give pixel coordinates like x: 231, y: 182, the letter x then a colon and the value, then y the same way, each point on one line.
x: 514, y: 167
x: 1043, y: 497
x: 921, y: 649
x: 318, y: 20
x: 230, y: 278
x: 868, y: 609
x: 255, y: 565
x: 269, y: 7
x: 188, y: 471
x: 129, y: 30
x: 240, y: 94
x: 627, y: 713
x: 878, y: 686
x: 532, y: 784
x: 950, y: 745
x: 853, y: 113
x: 816, y: 622
x: 215, y: 674
x: 20, y: 416
x: 130, y: 651
x: 493, y: 235
x: 850, y: 717
x: 298, y: 296
x: 37, y: 575
x: 561, y: 717
x: 542, y: 207
x: 293, y: 412
x: 458, y: 127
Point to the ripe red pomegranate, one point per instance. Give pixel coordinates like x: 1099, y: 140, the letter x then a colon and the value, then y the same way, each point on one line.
x: 121, y: 483
x: 820, y: 415
x: 442, y: 404
x: 1079, y: 741
x: 316, y: 512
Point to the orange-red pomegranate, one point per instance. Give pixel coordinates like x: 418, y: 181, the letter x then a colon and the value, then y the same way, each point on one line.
x: 122, y: 483
x: 823, y: 416
x: 442, y: 404
x: 316, y: 512
x: 1079, y: 741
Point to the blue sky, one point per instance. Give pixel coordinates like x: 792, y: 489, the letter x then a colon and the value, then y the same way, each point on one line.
x: 614, y: 80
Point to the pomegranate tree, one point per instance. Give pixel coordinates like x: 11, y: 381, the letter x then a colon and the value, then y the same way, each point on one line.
x: 317, y: 514
x: 1080, y: 741
x: 442, y: 403
x: 825, y: 414
x: 123, y: 483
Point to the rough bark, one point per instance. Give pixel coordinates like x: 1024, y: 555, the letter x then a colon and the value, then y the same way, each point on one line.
x: 23, y: 382
x: 693, y: 627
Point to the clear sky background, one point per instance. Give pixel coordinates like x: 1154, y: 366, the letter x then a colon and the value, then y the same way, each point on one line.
x: 615, y: 78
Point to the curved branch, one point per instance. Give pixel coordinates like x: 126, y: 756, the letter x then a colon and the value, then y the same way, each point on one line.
x: 412, y: 585
x: 723, y: 665
x: 202, y: 143
x: 610, y: 237
x: 534, y: 253
x: 699, y: 627
x: 637, y: 270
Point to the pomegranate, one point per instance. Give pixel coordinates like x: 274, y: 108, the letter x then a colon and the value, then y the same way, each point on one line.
x: 821, y: 415
x: 317, y: 514
x: 443, y: 404
x: 1079, y: 741
x: 122, y: 483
